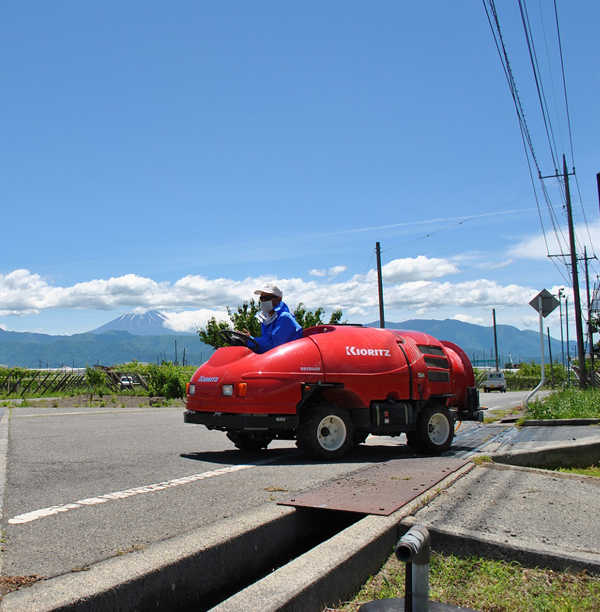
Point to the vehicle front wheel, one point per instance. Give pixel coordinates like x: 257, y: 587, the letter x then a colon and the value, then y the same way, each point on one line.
x: 435, y: 431
x: 249, y: 441
x: 325, y: 432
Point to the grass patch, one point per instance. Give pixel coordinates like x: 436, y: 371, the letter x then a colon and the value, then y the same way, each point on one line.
x: 566, y: 404
x: 588, y: 471
x: 480, y: 459
x: 488, y: 586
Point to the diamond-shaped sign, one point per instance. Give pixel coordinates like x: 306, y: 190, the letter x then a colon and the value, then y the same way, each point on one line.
x: 549, y: 302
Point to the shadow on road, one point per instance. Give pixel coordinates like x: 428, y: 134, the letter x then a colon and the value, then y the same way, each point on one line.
x: 357, y: 455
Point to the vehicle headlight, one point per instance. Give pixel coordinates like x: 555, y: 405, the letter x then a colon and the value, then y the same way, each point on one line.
x: 227, y: 390
x: 191, y: 389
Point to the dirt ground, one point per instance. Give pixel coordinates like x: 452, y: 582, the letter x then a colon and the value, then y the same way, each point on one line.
x: 82, y: 401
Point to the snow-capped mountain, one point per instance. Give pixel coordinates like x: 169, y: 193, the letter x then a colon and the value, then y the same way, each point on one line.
x: 150, y: 323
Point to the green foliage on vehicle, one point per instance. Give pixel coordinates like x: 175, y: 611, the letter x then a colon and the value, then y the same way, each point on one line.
x: 244, y: 318
x: 307, y: 318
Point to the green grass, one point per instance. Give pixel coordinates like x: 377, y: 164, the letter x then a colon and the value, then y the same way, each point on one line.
x: 589, y: 471
x: 488, y: 586
x: 566, y: 404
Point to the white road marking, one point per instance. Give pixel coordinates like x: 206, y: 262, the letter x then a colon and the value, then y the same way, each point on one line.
x: 28, y: 517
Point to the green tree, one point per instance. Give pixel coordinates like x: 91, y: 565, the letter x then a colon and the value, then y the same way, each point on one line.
x: 167, y: 380
x: 307, y: 318
x: 244, y: 318
x: 95, y: 380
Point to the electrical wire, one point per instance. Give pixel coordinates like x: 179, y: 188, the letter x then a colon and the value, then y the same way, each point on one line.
x: 494, y: 22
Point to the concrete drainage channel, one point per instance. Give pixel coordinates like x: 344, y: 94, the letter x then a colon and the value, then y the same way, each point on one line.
x: 191, y: 572
x: 288, y: 559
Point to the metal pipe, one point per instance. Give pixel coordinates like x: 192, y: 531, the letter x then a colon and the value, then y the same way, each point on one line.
x: 540, y: 303
x: 414, y: 550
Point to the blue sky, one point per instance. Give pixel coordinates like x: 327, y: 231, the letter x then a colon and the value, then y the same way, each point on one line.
x: 175, y: 155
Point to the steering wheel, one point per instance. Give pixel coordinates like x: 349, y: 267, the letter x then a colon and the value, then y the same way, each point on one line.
x: 235, y: 338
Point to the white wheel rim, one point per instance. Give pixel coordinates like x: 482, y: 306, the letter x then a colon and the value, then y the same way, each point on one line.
x: 331, y: 433
x: 438, y: 428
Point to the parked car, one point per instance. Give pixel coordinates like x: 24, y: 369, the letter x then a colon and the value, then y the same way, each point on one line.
x: 495, y: 381
x: 126, y: 382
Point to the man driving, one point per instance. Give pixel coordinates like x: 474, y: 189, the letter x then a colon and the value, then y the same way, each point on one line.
x: 277, y: 323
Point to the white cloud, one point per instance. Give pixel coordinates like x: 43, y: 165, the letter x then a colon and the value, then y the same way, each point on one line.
x: 336, y: 271
x: 468, y: 319
x: 418, y: 268
x: 494, y: 265
x: 534, y: 247
x: 190, y: 320
x: 410, y: 289
x: 332, y: 272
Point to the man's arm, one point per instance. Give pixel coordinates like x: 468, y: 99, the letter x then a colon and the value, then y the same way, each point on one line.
x: 281, y: 331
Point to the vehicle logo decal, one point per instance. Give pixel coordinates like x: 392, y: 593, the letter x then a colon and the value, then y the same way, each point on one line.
x: 352, y: 350
x: 310, y: 369
x: 208, y: 379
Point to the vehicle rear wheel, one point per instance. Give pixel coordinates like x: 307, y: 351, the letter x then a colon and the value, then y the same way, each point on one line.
x: 435, y: 431
x: 249, y: 441
x: 325, y: 432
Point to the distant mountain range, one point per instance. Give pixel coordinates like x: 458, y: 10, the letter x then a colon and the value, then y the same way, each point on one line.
x: 30, y: 350
x: 144, y: 338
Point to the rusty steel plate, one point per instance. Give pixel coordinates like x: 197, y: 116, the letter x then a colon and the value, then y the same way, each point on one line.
x: 380, y: 489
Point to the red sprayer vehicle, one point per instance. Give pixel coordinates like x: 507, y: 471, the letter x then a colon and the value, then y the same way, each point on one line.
x: 333, y: 387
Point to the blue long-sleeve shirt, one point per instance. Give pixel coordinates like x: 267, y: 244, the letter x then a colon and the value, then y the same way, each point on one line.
x: 282, y: 329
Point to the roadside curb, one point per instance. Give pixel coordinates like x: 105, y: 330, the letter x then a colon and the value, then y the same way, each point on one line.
x: 466, y: 543
x: 575, y: 454
x: 559, y: 422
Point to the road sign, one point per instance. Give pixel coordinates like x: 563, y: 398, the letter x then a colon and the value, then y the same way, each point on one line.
x: 549, y: 303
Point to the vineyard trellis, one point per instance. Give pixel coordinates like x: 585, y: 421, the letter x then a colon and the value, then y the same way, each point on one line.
x: 42, y: 382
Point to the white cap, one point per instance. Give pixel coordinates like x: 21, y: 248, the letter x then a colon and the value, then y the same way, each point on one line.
x: 271, y: 290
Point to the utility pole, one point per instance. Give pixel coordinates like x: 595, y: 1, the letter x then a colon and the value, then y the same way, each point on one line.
x: 495, y: 339
x: 568, y: 348
x: 589, y: 317
x: 575, y: 276
x: 598, y: 181
x: 380, y: 285
x: 550, y: 353
x: 561, y: 292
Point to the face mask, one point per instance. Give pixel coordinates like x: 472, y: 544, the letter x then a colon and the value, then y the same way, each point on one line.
x: 266, y: 307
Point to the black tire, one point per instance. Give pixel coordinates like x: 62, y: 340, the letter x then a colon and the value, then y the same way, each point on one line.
x: 325, y: 432
x: 249, y: 441
x: 434, y: 433
x: 359, y: 437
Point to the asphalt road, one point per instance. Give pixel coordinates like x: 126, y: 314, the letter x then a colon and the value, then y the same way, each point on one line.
x: 84, y: 485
